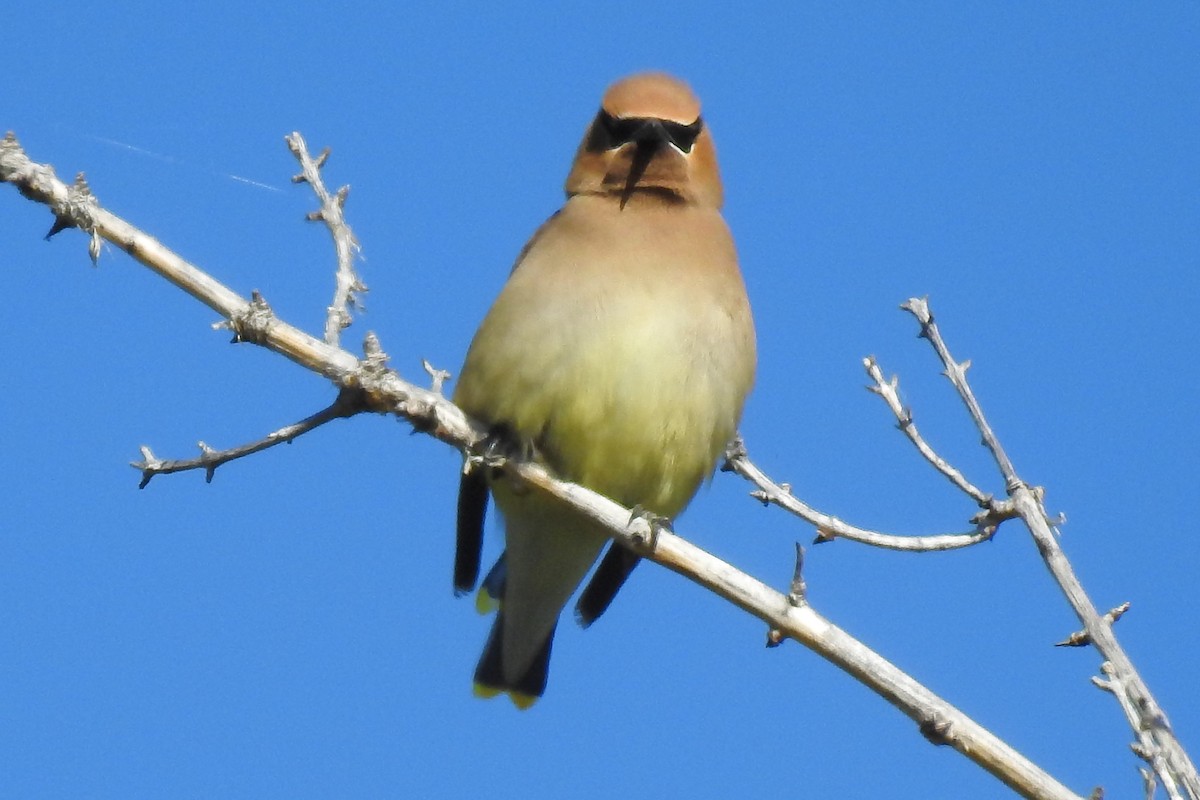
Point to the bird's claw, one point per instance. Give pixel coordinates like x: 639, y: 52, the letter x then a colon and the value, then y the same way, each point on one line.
x: 655, y: 523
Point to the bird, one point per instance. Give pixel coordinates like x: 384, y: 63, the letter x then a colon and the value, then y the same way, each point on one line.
x: 620, y: 352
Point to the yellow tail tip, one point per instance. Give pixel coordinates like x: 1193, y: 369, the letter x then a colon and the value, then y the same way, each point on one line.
x: 519, y: 699
x: 484, y: 602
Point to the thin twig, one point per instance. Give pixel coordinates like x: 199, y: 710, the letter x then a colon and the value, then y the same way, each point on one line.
x: 830, y: 527
x: 888, y: 390
x: 348, y: 284
x: 348, y: 403
x: 957, y: 373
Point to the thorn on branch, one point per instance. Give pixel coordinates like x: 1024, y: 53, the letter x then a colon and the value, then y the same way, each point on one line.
x: 1076, y: 639
x: 79, y: 195
x: 438, y: 376
x: 798, y: 595
x: 149, y: 465
x: 351, y: 400
x: 76, y: 212
x: 299, y: 148
x: 94, y: 244
x: 824, y: 535
x: 207, y: 455
x: 60, y: 224
x: 1083, y: 638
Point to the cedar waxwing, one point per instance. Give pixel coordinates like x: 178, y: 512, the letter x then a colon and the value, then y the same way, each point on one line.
x: 620, y: 351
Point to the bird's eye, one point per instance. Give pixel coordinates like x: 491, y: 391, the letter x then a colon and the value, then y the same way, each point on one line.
x: 683, y: 136
x: 609, y: 132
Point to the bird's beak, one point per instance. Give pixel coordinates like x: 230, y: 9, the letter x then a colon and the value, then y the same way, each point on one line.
x: 650, y: 137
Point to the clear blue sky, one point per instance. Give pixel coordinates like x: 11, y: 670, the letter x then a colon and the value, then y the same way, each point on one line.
x: 290, y: 630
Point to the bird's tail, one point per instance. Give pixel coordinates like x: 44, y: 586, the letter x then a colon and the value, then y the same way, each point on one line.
x: 489, y: 674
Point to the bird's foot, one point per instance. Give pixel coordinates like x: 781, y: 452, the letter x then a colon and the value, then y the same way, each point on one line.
x: 655, y: 523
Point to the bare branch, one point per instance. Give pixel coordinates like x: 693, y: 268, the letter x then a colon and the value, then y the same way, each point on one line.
x: 957, y: 373
x: 830, y: 527
x: 348, y: 403
x: 349, y: 285
x: 940, y: 722
x: 383, y: 390
x: 1169, y: 760
x: 38, y: 182
x: 888, y: 390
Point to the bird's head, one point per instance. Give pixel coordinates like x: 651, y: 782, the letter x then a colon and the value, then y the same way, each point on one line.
x: 648, y: 137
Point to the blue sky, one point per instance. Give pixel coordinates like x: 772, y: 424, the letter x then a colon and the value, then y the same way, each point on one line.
x: 290, y: 630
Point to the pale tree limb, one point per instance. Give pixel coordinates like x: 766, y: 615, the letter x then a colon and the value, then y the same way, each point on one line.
x: 383, y: 390
x: 1157, y: 743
